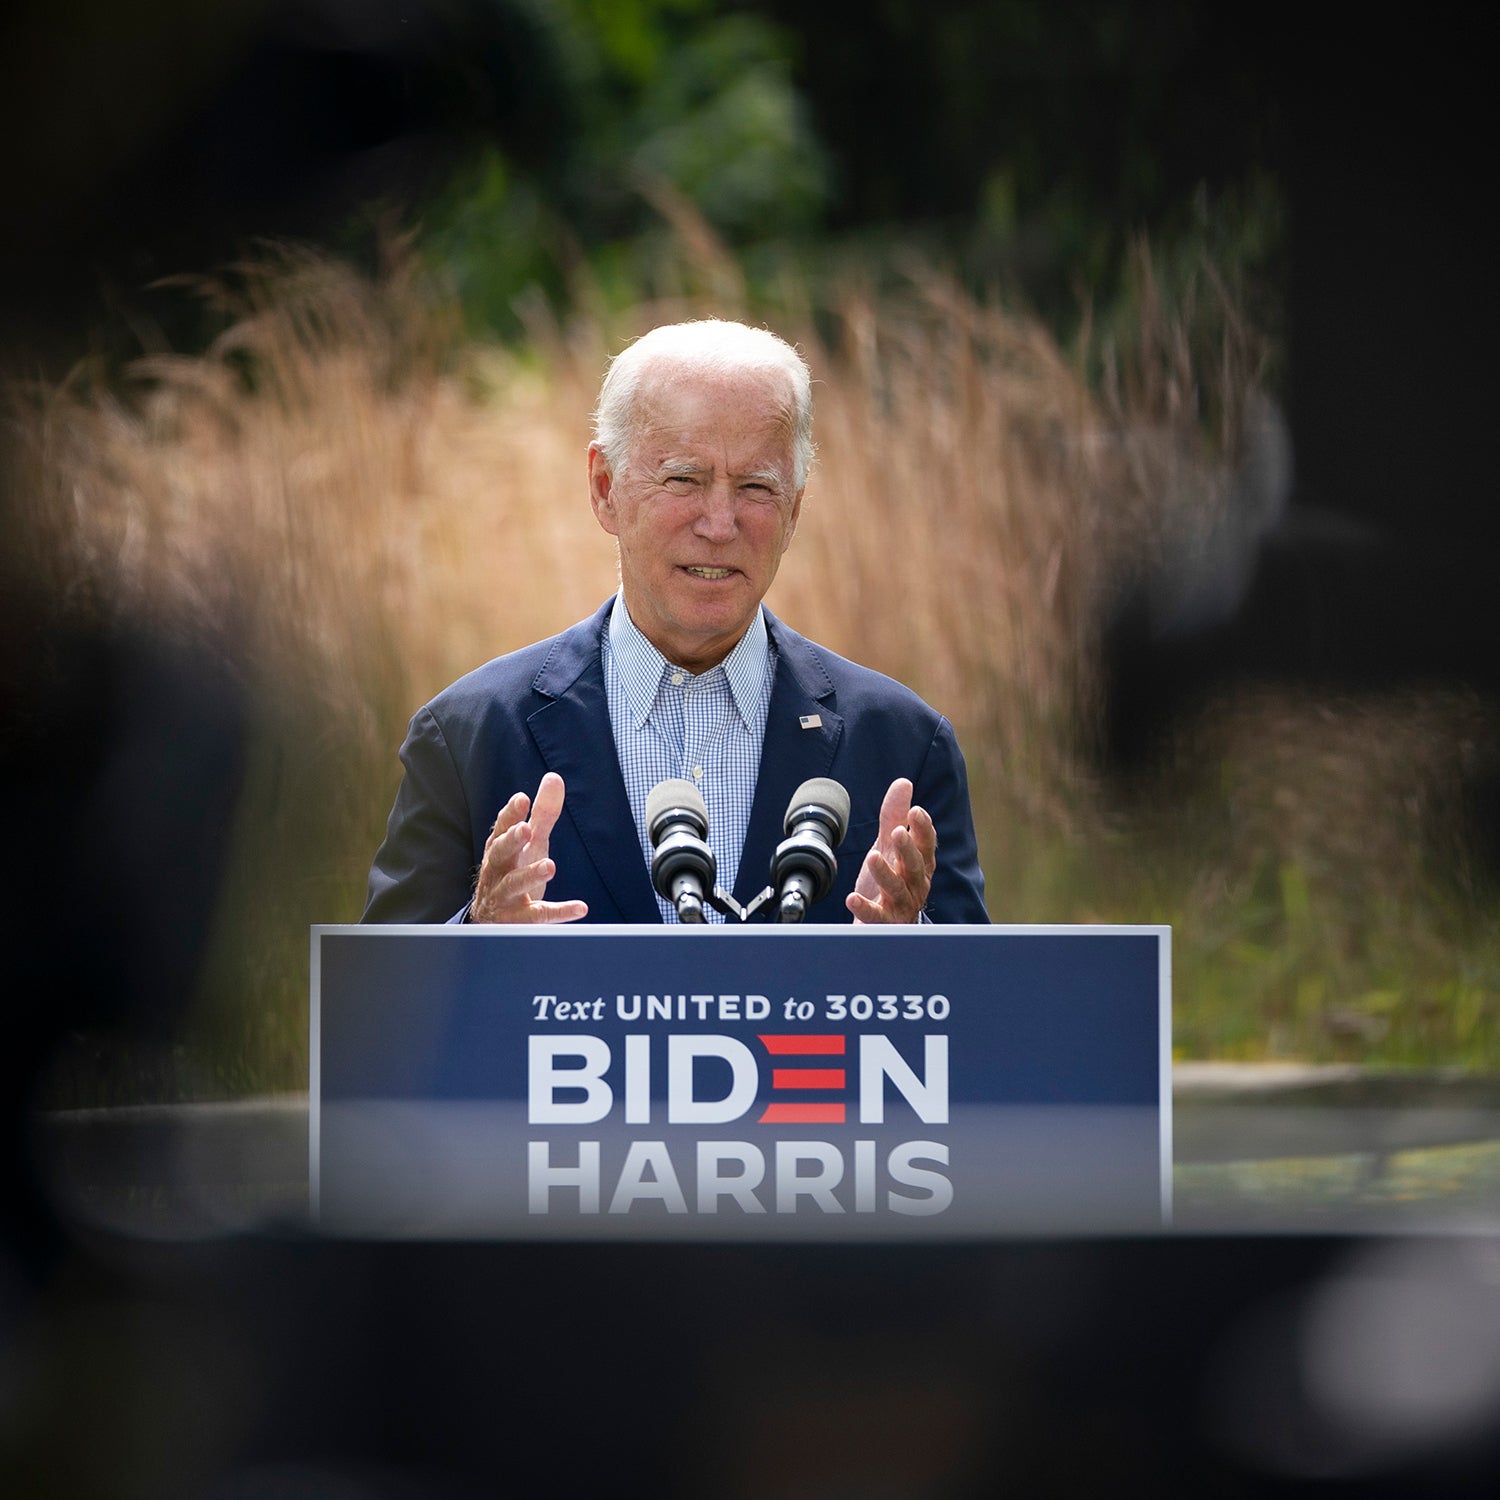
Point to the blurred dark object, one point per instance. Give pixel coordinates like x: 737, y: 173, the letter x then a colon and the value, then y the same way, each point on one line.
x: 143, y: 143
x: 1177, y: 1366
x: 121, y: 756
x: 1376, y: 573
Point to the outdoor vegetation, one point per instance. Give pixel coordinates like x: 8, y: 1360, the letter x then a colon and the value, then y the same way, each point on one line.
x: 364, y: 475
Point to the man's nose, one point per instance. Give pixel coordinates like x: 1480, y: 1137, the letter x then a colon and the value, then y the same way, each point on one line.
x: 718, y: 519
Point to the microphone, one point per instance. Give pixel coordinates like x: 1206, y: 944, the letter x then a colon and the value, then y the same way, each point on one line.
x: 804, y: 865
x: 682, y: 864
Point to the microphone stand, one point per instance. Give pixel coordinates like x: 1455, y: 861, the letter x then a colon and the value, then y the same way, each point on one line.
x: 762, y: 906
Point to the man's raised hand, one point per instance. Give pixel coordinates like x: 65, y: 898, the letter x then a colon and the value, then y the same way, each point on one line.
x: 897, y: 872
x: 516, y: 868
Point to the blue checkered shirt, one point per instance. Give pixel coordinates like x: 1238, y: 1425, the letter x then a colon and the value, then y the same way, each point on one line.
x: 707, y: 729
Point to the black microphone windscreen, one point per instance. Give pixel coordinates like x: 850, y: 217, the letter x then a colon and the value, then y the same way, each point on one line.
x: 677, y: 795
x: 825, y: 793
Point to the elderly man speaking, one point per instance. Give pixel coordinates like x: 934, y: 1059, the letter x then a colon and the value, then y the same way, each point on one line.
x: 702, y: 443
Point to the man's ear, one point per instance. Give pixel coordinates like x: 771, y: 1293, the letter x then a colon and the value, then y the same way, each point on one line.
x: 796, y: 515
x: 602, y: 490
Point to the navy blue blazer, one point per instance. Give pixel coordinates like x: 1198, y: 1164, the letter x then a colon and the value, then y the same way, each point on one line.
x: 496, y: 731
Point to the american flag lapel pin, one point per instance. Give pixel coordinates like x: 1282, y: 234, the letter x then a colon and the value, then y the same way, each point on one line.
x: 811, y: 721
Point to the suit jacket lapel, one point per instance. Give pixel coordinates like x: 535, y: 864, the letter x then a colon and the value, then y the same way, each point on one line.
x: 573, y: 733
x: 791, y: 754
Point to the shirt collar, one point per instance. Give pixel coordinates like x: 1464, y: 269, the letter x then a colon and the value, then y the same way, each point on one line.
x: 641, y: 666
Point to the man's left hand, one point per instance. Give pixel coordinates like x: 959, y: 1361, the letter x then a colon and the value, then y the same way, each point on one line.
x: 897, y: 872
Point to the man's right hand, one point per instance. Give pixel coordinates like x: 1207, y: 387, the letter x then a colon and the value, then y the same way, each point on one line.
x: 516, y: 869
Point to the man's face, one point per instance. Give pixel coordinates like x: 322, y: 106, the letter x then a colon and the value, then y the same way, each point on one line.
x: 703, y: 510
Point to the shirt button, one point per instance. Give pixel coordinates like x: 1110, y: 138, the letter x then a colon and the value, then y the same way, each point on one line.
x: 676, y: 679
x: 697, y: 773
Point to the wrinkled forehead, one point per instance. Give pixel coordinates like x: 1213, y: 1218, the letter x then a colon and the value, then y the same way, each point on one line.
x: 674, y: 394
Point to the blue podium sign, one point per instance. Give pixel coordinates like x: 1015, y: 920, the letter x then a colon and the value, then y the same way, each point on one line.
x: 777, y: 1082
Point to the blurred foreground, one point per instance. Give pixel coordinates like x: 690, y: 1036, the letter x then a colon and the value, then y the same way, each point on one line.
x: 1216, y: 1365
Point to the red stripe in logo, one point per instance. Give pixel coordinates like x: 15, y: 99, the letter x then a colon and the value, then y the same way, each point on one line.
x: 803, y: 1045
x: 803, y: 1114
x: 807, y: 1078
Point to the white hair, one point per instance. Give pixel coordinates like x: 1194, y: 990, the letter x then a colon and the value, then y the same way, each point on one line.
x: 711, y: 346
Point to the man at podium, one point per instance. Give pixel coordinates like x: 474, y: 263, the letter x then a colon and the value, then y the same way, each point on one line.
x: 528, y: 782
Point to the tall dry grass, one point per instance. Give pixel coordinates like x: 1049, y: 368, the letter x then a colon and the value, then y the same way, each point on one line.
x: 354, y: 507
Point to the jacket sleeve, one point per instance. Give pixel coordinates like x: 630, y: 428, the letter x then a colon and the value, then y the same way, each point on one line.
x: 424, y: 870
x: 942, y: 787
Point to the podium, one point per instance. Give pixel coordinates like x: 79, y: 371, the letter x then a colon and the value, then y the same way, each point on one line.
x: 759, y: 1082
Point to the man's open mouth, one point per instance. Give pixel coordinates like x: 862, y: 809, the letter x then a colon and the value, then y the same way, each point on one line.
x: 712, y: 573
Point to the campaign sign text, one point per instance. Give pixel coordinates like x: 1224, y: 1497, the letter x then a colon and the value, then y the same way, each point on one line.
x: 770, y: 1082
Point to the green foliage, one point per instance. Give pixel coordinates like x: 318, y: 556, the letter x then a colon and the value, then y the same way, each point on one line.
x: 725, y: 128
x: 493, y: 238
x: 1294, y: 956
x: 1035, y: 154
x: 675, y: 107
